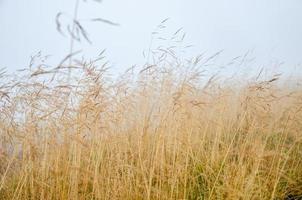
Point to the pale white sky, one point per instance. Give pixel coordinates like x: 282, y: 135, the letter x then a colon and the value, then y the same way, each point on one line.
x: 270, y: 29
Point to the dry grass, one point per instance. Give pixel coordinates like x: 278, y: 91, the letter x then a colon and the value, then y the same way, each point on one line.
x: 164, y: 133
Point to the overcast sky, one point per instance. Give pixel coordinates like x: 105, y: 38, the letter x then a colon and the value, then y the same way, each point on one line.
x: 270, y: 29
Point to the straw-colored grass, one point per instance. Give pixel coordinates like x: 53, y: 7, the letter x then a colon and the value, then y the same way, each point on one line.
x: 165, y: 133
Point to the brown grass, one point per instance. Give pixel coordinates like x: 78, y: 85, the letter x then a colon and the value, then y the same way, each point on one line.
x: 164, y: 133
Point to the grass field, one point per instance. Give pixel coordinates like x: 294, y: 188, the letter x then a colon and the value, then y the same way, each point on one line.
x: 162, y: 132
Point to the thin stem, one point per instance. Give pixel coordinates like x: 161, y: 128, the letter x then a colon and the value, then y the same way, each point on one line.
x: 75, y: 16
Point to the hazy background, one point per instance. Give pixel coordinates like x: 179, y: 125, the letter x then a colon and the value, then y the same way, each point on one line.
x: 270, y: 30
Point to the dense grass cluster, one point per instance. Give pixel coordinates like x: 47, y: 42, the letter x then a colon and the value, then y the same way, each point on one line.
x: 162, y: 132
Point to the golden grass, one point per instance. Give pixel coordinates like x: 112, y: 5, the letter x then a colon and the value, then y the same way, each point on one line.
x: 162, y: 134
